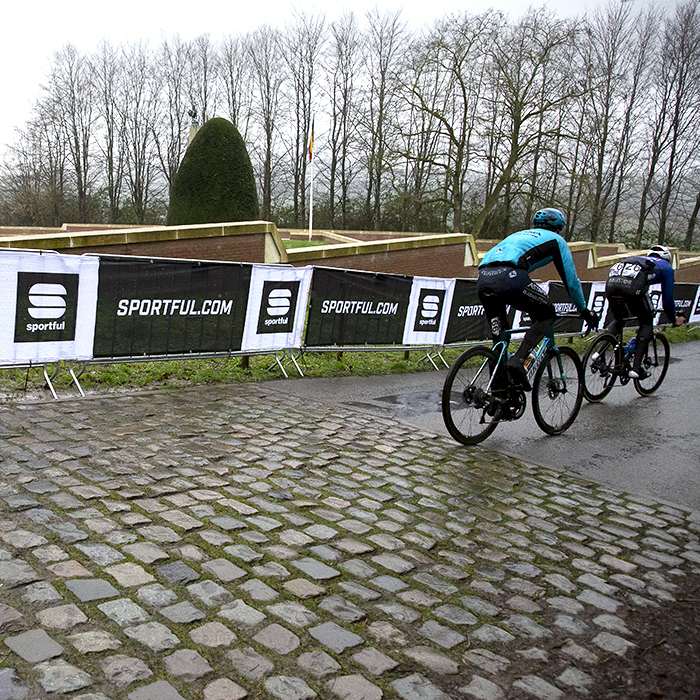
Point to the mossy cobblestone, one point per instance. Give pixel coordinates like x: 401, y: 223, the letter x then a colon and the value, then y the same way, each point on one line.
x: 231, y: 541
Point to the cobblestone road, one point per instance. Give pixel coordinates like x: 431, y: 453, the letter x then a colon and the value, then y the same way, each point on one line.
x: 232, y: 542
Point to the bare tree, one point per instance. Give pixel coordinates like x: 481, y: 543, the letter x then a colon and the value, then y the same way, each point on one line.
x: 417, y: 181
x: 344, y: 61
x: 71, y: 100
x: 638, y: 77
x: 203, y: 73
x: 236, y: 77
x: 675, y: 100
x: 692, y: 221
x: 385, y: 45
x: 682, y: 41
x: 267, y: 64
x: 607, y: 38
x: 34, y: 182
x: 170, y: 128
x: 139, y: 105
x: 451, y: 69
x: 303, y: 45
x: 538, y: 43
x: 106, y: 64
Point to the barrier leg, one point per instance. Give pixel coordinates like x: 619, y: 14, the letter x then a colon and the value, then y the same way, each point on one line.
x: 48, y: 378
x: 429, y: 358
x: 435, y: 352
x: 278, y: 362
x: 296, y: 364
x: 75, y: 377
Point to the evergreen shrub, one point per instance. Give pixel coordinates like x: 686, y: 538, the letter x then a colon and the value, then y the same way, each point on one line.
x: 215, y: 181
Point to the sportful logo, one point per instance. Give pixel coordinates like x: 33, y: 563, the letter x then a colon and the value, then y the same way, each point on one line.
x: 278, y: 306
x: 429, y: 312
x: 655, y: 300
x: 279, y: 302
x: 598, y: 303
x: 46, y: 306
x: 48, y: 300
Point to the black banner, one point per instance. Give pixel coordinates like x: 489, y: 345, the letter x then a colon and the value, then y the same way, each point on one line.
x: 356, y: 308
x: 467, y: 319
x: 563, y: 305
x: 684, y: 295
x: 154, y: 306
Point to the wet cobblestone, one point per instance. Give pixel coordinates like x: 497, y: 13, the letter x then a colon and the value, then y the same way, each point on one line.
x: 232, y: 542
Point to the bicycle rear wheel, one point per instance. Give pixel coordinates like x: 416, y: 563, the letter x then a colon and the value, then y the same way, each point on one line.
x: 598, y: 376
x: 465, y: 399
x: 655, y: 362
x: 557, y: 390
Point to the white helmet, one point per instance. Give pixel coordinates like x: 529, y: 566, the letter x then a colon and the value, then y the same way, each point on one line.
x: 660, y: 251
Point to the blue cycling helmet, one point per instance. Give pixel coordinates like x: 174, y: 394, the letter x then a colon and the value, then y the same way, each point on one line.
x: 660, y: 251
x: 550, y: 219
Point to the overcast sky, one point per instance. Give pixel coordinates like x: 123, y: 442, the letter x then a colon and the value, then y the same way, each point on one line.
x: 34, y: 29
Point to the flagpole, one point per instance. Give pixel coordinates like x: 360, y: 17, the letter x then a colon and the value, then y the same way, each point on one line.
x: 311, y: 200
x: 311, y: 187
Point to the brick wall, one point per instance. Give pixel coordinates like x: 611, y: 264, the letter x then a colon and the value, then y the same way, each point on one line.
x: 259, y: 242
x: 240, y: 248
x: 436, y: 261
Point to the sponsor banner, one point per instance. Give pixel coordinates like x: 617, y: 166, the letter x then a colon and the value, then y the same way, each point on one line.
x: 564, y: 305
x: 427, y: 317
x: 276, y: 307
x: 49, y: 306
x: 598, y: 303
x: 467, y: 320
x: 656, y: 302
x: 685, y: 298
x: 348, y: 308
x: 684, y: 295
x: 695, y: 308
x: 156, y: 306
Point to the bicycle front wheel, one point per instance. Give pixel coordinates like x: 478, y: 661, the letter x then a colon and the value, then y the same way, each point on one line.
x: 557, y: 390
x: 598, y: 376
x: 466, y: 401
x: 655, y: 362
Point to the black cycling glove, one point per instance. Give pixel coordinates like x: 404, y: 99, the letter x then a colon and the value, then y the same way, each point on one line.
x: 591, y: 318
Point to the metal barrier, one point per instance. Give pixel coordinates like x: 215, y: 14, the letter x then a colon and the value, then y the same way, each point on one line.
x: 73, y: 311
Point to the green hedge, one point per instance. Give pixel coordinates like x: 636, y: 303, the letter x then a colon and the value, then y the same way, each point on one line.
x: 215, y: 181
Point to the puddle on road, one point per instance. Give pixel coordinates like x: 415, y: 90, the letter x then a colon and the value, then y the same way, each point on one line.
x: 423, y: 400
x: 417, y: 403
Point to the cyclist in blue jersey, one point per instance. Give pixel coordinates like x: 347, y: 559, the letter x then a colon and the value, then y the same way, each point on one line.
x: 627, y: 292
x: 504, y: 280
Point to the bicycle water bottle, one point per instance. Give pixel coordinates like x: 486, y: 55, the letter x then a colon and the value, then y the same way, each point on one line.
x: 629, y: 349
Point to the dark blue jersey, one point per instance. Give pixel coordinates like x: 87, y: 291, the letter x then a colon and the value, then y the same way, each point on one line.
x: 658, y: 271
x: 537, y: 247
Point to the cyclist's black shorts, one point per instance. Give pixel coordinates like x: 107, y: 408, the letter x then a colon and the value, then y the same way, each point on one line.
x: 501, y: 285
x: 623, y: 306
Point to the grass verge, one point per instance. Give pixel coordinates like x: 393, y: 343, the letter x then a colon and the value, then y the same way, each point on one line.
x: 19, y: 384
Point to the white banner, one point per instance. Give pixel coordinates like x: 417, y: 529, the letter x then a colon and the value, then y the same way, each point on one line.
x: 428, y: 311
x: 656, y: 301
x: 277, y: 305
x: 695, y: 309
x: 49, y: 302
x: 598, y: 302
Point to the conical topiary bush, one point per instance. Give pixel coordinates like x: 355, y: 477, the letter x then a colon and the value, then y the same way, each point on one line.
x: 215, y: 181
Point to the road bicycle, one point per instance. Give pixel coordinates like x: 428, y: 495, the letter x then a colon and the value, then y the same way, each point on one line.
x: 608, y: 359
x: 479, y: 393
